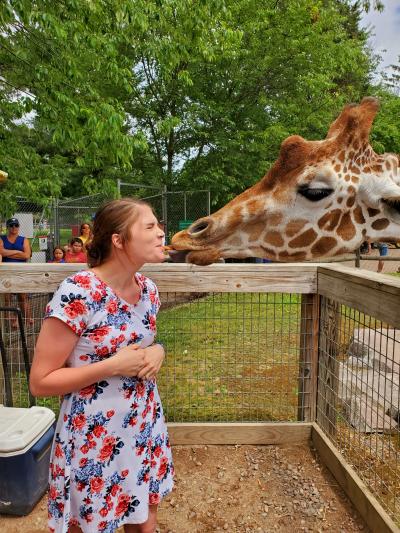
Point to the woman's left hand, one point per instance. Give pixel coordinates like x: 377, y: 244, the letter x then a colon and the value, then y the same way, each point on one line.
x: 153, y: 359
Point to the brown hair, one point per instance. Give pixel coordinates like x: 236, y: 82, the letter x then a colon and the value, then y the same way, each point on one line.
x: 116, y: 216
x: 85, y: 224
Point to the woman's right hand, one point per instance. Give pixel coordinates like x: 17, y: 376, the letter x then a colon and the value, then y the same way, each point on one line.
x: 128, y: 361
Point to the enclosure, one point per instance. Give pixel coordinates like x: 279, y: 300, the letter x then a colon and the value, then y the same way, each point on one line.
x: 264, y: 354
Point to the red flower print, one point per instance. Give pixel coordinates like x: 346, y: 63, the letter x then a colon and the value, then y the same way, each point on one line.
x: 112, y: 307
x: 124, y: 473
x: 134, y: 336
x: 83, y: 461
x: 102, y: 351
x: 98, y: 334
x: 151, y: 396
x: 96, y: 296
x: 58, y: 451
x: 79, y: 421
x: 102, y: 524
x: 65, y: 418
x: 83, y: 357
x: 82, y: 280
x: 89, y: 518
x: 140, y: 389
x: 53, y: 492
x: 152, y: 296
x: 110, y: 413
x: 84, y: 448
x: 132, y: 421
x: 123, y: 327
x: 123, y: 504
x: 98, y: 430
x: 146, y: 477
x: 60, y: 506
x: 96, y: 484
x: 154, y: 498
x: 107, y: 448
x: 158, y: 451
x: 163, y: 468
x: 88, y: 391
x: 75, y: 308
x: 115, y: 489
x: 152, y: 322
x: 80, y: 486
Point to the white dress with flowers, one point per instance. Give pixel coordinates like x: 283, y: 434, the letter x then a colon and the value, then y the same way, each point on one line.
x: 111, y: 455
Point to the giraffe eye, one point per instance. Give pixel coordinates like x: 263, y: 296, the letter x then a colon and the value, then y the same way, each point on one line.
x: 314, y: 195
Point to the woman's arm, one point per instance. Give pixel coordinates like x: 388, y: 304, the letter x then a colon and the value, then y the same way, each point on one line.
x: 50, y: 377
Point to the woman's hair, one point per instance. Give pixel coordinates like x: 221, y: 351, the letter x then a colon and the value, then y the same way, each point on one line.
x: 76, y: 239
x: 116, y: 216
x: 85, y: 224
x: 59, y: 248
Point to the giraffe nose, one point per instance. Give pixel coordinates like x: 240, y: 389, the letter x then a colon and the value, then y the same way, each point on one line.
x: 199, y: 227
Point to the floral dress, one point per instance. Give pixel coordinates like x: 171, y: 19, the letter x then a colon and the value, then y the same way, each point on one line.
x: 111, y: 454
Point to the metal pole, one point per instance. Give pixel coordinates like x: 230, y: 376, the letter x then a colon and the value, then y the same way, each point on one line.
x: 56, y: 222
x: 358, y: 257
x: 184, y: 206
x: 208, y: 203
x: 118, y: 188
x: 164, y: 207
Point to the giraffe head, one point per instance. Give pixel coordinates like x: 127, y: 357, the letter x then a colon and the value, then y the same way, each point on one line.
x: 320, y: 199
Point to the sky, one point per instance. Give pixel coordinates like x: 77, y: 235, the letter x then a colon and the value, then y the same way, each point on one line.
x: 386, y: 27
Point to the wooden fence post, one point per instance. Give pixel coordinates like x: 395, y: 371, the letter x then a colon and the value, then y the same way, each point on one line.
x: 328, y: 365
x: 308, y: 360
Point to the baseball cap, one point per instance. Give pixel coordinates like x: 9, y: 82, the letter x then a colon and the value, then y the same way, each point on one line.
x: 12, y: 222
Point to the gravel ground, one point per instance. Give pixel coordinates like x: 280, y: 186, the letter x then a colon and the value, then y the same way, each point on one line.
x: 241, y: 489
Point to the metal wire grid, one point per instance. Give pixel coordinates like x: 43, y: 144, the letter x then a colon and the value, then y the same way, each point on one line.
x: 358, y: 397
x: 230, y: 356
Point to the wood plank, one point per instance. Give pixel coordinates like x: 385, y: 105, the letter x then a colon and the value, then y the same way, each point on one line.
x: 308, y: 359
x: 364, y: 277
x: 328, y: 368
x: 239, y: 433
x: 43, y: 277
x: 380, y: 300
x: 367, y: 505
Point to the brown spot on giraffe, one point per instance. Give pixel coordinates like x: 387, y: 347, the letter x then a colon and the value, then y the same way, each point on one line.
x: 358, y: 215
x: 295, y: 226
x: 372, y: 212
x: 346, y: 229
x: 274, y: 219
x: 323, y: 246
x: 304, y: 239
x: 354, y: 179
x: 295, y: 256
x: 274, y: 238
x: 381, y: 223
x: 330, y: 220
x: 271, y: 254
x: 350, y: 201
x: 340, y: 199
x: 255, y: 230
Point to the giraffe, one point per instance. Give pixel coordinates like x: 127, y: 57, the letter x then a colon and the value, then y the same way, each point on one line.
x: 320, y: 199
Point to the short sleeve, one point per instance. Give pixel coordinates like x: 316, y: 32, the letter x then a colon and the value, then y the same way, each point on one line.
x: 150, y: 288
x: 71, y: 303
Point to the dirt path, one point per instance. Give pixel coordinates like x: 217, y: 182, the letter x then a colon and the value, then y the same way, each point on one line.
x: 241, y: 489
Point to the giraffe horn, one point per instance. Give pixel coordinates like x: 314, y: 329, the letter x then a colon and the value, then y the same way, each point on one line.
x: 355, y: 120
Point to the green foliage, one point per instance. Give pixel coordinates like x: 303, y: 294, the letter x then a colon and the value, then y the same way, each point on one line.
x: 181, y: 93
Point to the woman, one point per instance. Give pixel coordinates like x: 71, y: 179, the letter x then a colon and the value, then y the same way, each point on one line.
x: 75, y: 254
x: 111, y: 460
x: 85, y: 234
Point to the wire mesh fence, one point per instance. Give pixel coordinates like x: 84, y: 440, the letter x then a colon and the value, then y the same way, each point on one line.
x: 230, y: 356
x: 358, y: 396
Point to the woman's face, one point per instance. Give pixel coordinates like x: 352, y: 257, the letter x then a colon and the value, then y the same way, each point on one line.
x: 146, y: 239
x: 76, y: 247
x: 58, y: 254
x: 85, y: 229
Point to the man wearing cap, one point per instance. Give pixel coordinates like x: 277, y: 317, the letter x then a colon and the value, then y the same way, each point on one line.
x: 15, y: 248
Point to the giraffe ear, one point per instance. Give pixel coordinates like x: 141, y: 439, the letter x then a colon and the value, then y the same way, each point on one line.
x: 294, y: 151
x: 355, y: 120
x: 374, y: 190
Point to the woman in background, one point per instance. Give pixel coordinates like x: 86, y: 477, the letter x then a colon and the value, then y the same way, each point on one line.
x: 75, y: 253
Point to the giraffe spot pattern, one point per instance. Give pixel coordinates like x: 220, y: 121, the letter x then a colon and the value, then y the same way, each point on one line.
x: 297, y: 256
x: 274, y: 238
x: 358, y: 215
x: 381, y: 223
x: 373, y: 212
x: 295, y: 226
x: 346, y: 229
x: 304, y: 239
x: 323, y: 246
x: 330, y: 220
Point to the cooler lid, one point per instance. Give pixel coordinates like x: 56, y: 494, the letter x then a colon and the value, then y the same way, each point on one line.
x: 21, y: 426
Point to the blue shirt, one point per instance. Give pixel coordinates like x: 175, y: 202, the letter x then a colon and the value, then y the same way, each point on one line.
x: 18, y: 246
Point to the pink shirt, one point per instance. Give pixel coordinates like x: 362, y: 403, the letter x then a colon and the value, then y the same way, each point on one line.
x: 80, y: 257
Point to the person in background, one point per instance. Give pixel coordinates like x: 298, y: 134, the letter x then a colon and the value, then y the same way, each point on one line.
x: 58, y: 255
x: 383, y: 252
x: 14, y: 248
x: 86, y: 234
x: 76, y: 253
